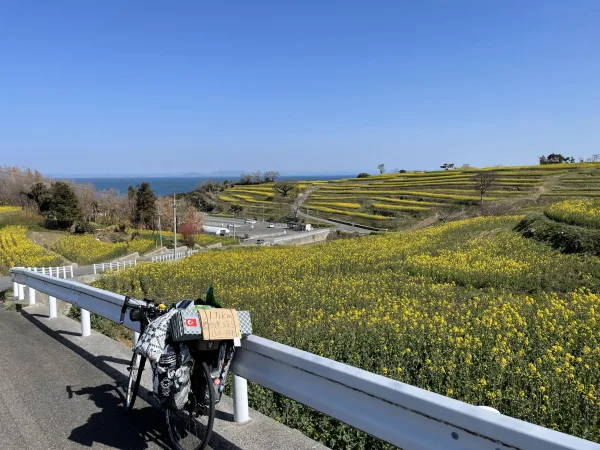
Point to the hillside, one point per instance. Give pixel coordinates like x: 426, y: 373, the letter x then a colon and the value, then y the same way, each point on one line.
x: 398, y: 200
x: 468, y: 309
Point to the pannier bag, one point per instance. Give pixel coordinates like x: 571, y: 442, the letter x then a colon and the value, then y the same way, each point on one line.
x: 152, y: 342
x: 172, y: 376
x: 185, y: 325
x: 220, y: 369
x: 245, y: 323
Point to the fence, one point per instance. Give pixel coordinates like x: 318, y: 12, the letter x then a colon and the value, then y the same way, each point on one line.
x: 403, y: 415
x: 64, y: 271
x: 169, y: 256
x: 114, y: 265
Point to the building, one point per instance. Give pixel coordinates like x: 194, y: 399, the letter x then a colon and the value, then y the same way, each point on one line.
x: 219, y: 231
x: 299, y: 226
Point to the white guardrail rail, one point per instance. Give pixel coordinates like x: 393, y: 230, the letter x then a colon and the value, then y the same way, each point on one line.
x: 169, y: 256
x: 398, y: 413
x: 114, y: 265
x: 60, y: 272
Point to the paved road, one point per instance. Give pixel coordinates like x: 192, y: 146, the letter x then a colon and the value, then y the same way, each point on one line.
x: 51, y: 398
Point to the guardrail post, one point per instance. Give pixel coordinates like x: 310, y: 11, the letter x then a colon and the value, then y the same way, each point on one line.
x: 94, y: 269
x: 71, y: 271
x: 31, y: 296
x: 21, y: 292
x: 86, y: 328
x: 240, y: 399
x: 52, y: 307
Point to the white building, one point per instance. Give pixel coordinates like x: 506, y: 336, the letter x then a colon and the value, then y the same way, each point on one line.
x: 219, y: 231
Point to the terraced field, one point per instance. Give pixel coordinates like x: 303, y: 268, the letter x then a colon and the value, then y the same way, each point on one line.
x: 386, y: 199
x: 260, y: 201
x: 584, y: 183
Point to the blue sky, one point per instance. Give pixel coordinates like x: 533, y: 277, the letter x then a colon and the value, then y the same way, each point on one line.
x: 297, y: 86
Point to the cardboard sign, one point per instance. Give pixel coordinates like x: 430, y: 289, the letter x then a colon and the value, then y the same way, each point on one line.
x: 219, y: 324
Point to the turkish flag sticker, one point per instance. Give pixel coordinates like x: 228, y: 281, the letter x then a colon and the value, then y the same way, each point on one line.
x: 191, y: 322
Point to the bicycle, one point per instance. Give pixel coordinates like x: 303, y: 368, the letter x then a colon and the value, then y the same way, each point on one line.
x: 191, y: 427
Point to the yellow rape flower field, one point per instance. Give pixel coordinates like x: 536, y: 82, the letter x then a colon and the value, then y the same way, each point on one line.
x: 17, y: 250
x: 86, y: 249
x: 585, y: 213
x: 5, y: 209
x: 468, y: 309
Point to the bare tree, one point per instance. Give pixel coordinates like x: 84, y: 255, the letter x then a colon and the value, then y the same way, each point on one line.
x: 270, y: 176
x: 284, y: 187
x: 484, y: 181
x: 381, y: 168
x: 257, y: 177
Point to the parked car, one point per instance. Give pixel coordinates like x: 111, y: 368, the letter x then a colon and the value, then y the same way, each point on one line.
x: 233, y: 226
x: 252, y: 221
x: 260, y: 242
x: 271, y: 225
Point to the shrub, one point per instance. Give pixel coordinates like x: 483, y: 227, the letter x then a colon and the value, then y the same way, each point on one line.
x: 563, y: 237
x: 82, y: 227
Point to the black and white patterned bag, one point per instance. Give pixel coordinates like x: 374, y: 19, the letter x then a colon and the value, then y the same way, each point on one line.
x: 172, y: 376
x: 152, y: 342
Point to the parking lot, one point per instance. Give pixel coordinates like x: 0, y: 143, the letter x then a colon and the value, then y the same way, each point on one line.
x: 258, y: 230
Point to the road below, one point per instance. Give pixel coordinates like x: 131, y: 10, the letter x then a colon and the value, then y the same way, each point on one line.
x: 52, y: 398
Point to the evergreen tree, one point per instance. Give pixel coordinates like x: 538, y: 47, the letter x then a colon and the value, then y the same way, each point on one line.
x: 65, y: 205
x: 40, y: 194
x: 145, y: 206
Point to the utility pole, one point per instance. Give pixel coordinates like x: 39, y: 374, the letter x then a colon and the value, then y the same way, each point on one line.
x: 159, y: 228
x: 174, y: 227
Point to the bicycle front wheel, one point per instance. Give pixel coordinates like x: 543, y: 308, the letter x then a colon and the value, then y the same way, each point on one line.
x: 133, y: 384
x: 191, y: 427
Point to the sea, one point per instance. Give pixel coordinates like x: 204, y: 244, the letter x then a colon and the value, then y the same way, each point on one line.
x: 174, y: 185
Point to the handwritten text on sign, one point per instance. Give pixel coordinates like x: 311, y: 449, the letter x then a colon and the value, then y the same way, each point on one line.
x: 219, y: 324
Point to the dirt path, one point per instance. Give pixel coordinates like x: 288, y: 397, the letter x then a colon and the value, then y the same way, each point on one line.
x: 546, y: 186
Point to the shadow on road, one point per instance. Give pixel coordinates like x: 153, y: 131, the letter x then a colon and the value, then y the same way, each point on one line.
x: 112, y: 427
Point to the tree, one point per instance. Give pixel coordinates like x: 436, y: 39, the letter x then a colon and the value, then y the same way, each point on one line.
x: 447, y: 166
x: 284, y: 187
x: 40, y: 195
x: 402, y: 171
x: 64, y: 204
x: 131, y: 202
x: 363, y: 175
x: 381, y: 168
x: 145, y: 206
x: 556, y: 158
x: 245, y: 178
x: 191, y: 226
x: 270, y: 176
x: 484, y: 182
x: 257, y: 177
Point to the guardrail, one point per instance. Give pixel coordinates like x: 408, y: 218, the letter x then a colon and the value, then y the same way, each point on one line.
x: 170, y: 256
x: 403, y: 415
x: 114, y: 265
x: 301, y: 236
